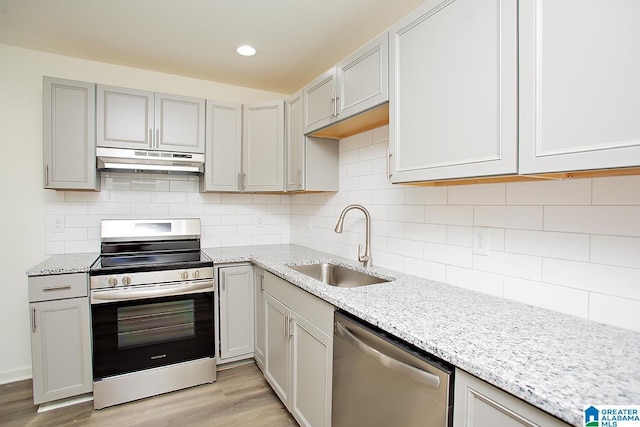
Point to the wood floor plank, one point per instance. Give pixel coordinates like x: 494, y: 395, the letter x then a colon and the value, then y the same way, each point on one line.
x: 239, y: 397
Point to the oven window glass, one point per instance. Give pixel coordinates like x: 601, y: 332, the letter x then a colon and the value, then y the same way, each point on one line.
x: 155, y: 323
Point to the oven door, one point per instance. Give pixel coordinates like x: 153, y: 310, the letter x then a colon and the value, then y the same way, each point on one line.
x: 132, y: 335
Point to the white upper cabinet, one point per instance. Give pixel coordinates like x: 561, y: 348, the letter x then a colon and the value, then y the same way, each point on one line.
x: 130, y: 118
x: 263, y: 146
x: 354, y: 85
x: 69, y: 135
x: 312, y: 163
x: 579, y: 85
x: 453, y: 91
x: 223, y: 160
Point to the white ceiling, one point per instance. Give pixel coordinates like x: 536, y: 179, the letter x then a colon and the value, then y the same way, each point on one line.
x: 296, y: 39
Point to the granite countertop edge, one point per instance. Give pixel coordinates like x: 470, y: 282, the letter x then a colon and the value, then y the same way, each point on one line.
x: 540, y: 356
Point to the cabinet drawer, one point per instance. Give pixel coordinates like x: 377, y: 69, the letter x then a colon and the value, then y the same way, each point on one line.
x: 45, y: 288
x: 312, y: 308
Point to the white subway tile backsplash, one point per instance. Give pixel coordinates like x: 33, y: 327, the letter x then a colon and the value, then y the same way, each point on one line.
x: 405, y: 213
x: 392, y: 196
x: 514, y: 265
x: 425, y: 269
x: 620, y: 190
x: 374, y: 151
x: 434, y: 233
x: 361, y: 168
x: 556, y: 192
x: 409, y: 248
x: 569, y: 246
x: 480, y: 194
x: 612, y: 220
x: 449, y: 215
x: 518, y: 217
x: 380, y: 134
x: 357, y: 141
x: 475, y: 280
x: 614, y: 250
x: 606, y: 279
x: 192, y: 186
x: 448, y: 254
x: 615, y: 311
x: 168, y: 197
x: 425, y: 196
x: 557, y: 298
x: 459, y: 236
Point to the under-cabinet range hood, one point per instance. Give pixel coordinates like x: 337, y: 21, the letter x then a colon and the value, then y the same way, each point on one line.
x: 131, y: 160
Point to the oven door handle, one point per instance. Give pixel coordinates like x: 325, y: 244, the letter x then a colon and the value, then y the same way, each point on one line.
x: 150, y: 293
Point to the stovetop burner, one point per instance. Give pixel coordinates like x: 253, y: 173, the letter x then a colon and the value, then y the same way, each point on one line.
x: 135, y: 246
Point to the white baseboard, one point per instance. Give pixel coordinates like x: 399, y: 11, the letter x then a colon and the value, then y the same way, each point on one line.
x: 7, y: 377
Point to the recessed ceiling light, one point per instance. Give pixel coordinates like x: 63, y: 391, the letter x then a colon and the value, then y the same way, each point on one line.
x: 246, y: 50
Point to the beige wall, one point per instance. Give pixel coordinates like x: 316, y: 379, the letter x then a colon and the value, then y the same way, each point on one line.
x: 22, y: 225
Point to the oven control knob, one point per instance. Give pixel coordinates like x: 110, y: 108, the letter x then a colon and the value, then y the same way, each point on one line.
x: 184, y: 275
x: 113, y: 280
x: 196, y: 274
x: 126, y: 280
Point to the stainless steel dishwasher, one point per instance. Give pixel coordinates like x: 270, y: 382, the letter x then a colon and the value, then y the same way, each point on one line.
x: 379, y: 380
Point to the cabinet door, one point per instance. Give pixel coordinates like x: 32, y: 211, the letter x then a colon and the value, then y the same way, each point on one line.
x: 236, y: 311
x: 61, y: 349
x: 479, y: 404
x: 453, y: 94
x: 363, y: 78
x: 579, y: 88
x: 69, y: 135
x: 259, y: 317
x: 223, y: 144
x: 124, y: 118
x: 320, y: 108
x: 179, y: 123
x: 277, y: 352
x: 312, y: 371
x: 263, y: 146
x: 294, y: 143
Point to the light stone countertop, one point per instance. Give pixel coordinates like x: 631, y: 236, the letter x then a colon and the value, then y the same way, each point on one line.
x: 64, y: 264
x: 556, y: 362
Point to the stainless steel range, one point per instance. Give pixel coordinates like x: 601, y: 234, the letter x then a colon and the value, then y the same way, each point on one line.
x: 152, y: 295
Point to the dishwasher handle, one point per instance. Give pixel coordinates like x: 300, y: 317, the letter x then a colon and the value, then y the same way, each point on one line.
x: 416, y: 374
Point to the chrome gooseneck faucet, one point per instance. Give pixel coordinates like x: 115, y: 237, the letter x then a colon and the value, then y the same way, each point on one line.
x: 366, y: 258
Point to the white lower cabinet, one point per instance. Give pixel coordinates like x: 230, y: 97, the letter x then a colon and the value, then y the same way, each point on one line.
x: 60, y: 337
x: 299, y: 350
x: 479, y: 404
x: 235, y: 312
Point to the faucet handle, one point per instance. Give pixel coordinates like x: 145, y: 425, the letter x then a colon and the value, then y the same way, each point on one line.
x: 363, y: 258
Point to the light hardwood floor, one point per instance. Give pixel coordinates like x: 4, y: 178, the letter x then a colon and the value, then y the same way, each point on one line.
x: 239, y: 397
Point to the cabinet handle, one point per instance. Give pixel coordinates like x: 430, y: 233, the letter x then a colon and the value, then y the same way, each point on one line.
x: 333, y: 101
x: 46, y: 175
x: 223, y: 281
x: 286, y: 323
x: 150, y: 138
x: 336, y: 106
x: 299, y: 178
x: 289, y: 328
x: 33, y: 323
x: 157, y: 138
x: 57, y: 288
x: 262, y: 283
x: 243, y: 184
x: 389, y: 154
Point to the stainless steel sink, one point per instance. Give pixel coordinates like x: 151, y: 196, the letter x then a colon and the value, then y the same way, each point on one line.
x: 338, y: 275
